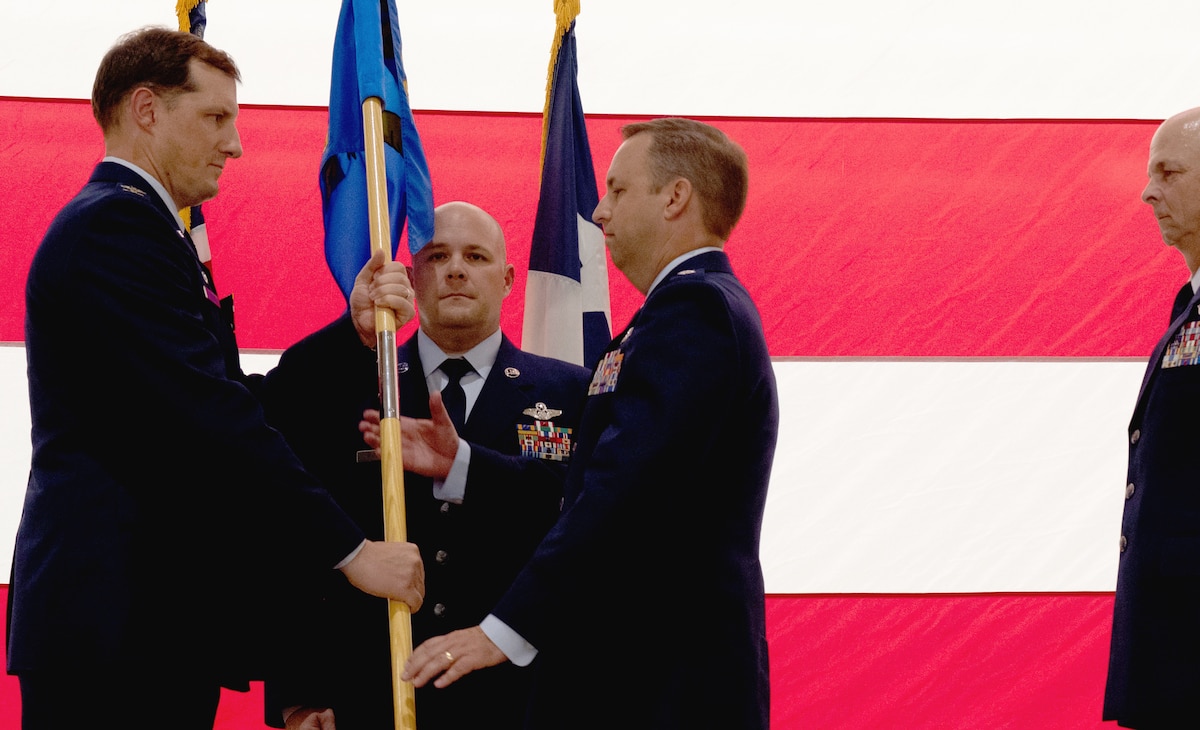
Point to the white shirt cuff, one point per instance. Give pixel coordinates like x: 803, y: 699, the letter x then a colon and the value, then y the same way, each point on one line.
x: 454, y: 487
x: 353, y: 554
x: 514, y: 646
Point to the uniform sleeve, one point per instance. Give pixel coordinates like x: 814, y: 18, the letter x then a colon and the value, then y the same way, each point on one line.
x: 132, y: 298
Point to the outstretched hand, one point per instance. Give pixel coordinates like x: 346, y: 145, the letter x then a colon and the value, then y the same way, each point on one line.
x: 430, y: 444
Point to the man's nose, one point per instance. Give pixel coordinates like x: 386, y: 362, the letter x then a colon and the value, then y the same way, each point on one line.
x: 233, y: 146
x: 600, y: 214
x: 1150, y: 193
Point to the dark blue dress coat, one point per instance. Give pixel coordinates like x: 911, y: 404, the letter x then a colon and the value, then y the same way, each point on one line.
x: 645, y: 600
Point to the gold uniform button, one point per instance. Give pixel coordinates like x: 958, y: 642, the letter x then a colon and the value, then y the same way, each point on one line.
x: 1133, y: 437
x: 1124, y: 543
x: 1128, y: 490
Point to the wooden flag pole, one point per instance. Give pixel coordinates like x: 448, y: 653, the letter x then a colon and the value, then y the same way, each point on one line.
x: 394, y: 521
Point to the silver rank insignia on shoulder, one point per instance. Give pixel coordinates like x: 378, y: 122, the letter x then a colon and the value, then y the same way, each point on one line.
x: 541, y: 412
x: 685, y: 272
x: 512, y: 373
x: 401, y: 368
x: 135, y: 190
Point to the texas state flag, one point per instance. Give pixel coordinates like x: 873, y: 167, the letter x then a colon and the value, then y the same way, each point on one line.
x: 566, y: 296
x: 958, y: 282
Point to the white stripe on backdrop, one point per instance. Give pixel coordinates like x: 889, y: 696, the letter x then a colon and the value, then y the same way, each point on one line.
x: 948, y: 476
x: 1049, y: 59
x: 891, y: 476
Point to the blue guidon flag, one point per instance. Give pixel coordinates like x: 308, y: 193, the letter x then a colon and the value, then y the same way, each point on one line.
x: 367, y: 63
x: 567, y: 313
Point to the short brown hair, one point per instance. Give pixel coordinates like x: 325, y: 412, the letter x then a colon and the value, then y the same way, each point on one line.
x: 156, y: 58
x: 702, y: 154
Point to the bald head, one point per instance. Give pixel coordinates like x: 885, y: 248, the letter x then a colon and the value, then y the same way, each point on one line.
x: 460, y: 214
x: 462, y: 277
x: 1185, y: 122
x: 1173, y: 187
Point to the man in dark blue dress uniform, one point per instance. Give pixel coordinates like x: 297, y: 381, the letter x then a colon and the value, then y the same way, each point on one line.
x: 644, y: 605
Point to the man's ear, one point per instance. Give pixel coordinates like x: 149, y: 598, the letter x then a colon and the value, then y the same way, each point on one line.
x: 510, y: 275
x: 680, y: 196
x: 143, y: 106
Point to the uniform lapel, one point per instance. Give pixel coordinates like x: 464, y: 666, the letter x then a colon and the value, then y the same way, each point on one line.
x: 504, y: 392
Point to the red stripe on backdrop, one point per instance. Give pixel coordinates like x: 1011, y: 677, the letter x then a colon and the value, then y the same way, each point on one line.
x: 861, y: 237
x: 863, y: 662
x: 936, y: 661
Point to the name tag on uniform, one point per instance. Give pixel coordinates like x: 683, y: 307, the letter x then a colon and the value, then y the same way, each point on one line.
x: 1184, y: 349
x: 544, y: 440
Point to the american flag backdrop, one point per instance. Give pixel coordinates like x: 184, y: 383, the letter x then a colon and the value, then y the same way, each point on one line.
x: 958, y: 281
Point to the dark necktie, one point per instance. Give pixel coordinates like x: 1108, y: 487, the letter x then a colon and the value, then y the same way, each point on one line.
x: 1181, y: 301
x: 453, y: 395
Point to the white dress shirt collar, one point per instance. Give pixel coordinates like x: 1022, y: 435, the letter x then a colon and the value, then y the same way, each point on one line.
x: 676, y: 262
x: 155, y: 184
x: 481, y: 356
